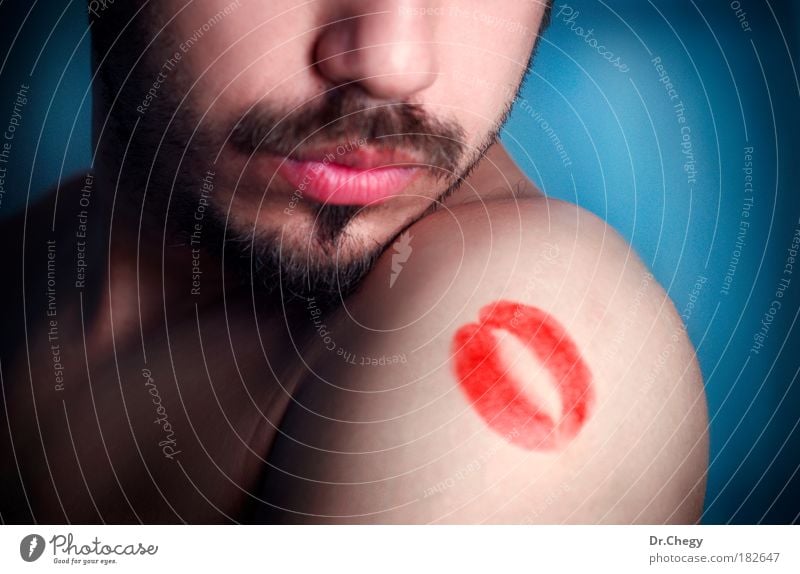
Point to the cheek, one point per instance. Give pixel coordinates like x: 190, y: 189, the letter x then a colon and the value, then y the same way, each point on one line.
x: 482, y: 56
x: 471, y: 95
x: 247, y: 55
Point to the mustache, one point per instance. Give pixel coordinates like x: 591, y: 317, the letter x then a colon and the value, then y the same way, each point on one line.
x: 345, y: 115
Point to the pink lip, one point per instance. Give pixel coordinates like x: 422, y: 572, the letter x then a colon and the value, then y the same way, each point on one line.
x: 357, y: 178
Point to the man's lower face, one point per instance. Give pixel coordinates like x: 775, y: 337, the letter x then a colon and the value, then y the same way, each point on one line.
x: 311, y: 197
x: 301, y: 247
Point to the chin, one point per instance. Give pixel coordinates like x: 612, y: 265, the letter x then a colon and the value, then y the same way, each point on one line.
x: 293, y: 259
x: 310, y: 250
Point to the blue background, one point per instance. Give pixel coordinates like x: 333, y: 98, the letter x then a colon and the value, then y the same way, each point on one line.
x: 622, y: 141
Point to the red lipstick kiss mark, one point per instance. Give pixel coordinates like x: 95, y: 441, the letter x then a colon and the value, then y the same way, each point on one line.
x: 498, y: 398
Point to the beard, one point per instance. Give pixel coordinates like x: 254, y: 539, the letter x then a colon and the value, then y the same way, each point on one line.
x: 326, y: 266
x: 152, y: 161
x: 167, y: 148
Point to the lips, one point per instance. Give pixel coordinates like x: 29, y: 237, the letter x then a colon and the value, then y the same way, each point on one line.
x: 499, y: 399
x: 342, y: 176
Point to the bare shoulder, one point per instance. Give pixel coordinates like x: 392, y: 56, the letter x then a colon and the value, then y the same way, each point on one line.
x: 512, y: 361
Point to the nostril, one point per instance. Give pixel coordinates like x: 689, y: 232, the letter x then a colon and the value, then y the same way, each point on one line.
x: 332, y: 56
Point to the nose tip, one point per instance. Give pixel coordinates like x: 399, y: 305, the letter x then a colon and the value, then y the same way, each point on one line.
x: 388, y: 53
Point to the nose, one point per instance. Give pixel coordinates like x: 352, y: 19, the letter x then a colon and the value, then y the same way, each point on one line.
x: 384, y: 46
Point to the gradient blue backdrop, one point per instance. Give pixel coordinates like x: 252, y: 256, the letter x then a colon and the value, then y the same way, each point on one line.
x: 620, y: 158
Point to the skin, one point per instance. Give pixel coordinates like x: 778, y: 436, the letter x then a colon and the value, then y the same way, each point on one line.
x: 407, y: 429
x: 271, y: 421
